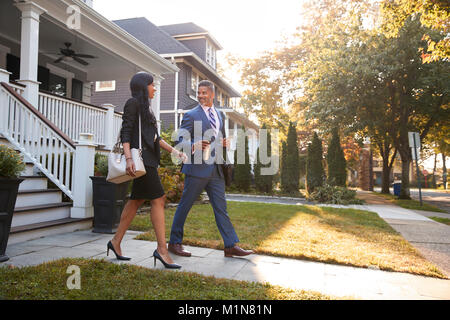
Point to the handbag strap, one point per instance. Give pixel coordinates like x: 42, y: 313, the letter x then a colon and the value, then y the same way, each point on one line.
x: 140, y: 134
x: 116, y: 148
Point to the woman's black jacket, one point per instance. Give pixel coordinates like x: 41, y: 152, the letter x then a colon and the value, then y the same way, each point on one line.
x: 130, y: 133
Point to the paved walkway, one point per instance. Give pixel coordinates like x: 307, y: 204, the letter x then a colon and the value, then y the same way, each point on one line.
x: 341, y: 281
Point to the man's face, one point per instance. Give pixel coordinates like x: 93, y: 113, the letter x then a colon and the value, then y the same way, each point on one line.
x: 205, y: 96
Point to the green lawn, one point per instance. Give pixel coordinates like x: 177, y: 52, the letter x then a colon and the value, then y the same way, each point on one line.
x: 410, y: 204
x: 325, y: 234
x: 441, y: 220
x: 102, y: 280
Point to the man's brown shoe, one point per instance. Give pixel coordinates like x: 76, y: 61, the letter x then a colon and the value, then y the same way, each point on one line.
x: 177, y: 248
x: 237, y: 251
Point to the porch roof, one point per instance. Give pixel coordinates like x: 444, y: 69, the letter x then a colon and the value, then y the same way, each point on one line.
x: 120, y: 55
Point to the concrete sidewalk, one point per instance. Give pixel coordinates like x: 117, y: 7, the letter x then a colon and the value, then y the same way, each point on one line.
x: 325, y: 278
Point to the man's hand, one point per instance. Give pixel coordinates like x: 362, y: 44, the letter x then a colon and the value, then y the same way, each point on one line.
x: 201, y: 145
x: 226, y: 142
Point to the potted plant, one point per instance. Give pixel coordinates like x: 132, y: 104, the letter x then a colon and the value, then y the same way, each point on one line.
x: 108, y: 198
x: 11, y: 165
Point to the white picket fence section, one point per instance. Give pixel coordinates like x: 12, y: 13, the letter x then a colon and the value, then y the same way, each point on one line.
x: 52, y: 153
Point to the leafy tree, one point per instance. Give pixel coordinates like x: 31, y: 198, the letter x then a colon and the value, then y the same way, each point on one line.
x: 434, y: 14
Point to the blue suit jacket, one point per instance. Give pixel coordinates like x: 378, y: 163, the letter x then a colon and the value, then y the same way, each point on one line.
x: 197, y: 115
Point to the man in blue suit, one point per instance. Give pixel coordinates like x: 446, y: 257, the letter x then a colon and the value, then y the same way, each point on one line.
x: 201, y: 134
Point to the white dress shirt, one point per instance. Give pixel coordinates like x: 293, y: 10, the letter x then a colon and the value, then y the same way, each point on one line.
x: 214, y: 112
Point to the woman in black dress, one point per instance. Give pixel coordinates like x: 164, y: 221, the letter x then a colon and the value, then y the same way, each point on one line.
x: 147, y: 187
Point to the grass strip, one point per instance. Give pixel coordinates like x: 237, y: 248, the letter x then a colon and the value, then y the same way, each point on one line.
x: 441, y: 220
x: 103, y: 280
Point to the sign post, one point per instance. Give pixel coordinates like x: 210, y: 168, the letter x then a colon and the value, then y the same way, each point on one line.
x: 414, y: 143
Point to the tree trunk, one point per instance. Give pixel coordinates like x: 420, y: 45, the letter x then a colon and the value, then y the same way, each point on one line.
x: 444, y: 172
x: 406, y: 162
x: 385, y: 177
x: 434, y: 170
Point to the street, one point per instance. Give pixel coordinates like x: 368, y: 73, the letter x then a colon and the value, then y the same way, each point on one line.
x: 438, y: 198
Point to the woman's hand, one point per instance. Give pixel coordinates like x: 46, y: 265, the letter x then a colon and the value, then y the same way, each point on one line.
x: 131, y: 168
x: 179, y: 155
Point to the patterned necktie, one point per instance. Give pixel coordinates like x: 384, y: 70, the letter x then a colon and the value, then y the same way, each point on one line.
x: 212, y: 120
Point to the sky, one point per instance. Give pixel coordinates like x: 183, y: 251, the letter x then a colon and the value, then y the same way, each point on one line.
x: 245, y: 27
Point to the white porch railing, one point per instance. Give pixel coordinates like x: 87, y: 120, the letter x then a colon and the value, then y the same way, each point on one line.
x: 17, y: 88
x: 117, y: 125
x: 73, y: 117
x: 51, y: 151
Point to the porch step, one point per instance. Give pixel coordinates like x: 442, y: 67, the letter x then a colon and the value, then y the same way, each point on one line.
x: 33, y: 183
x: 28, y: 215
x: 42, y: 229
x: 36, y: 197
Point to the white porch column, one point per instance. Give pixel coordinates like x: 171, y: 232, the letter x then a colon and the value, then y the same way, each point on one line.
x: 29, y: 49
x: 83, y: 168
x: 109, y: 126
x: 156, y: 101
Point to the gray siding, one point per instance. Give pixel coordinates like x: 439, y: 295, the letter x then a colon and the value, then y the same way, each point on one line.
x: 184, y: 82
x: 198, y: 46
x: 168, y: 92
x: 117, y: 97
x: 167, y: 120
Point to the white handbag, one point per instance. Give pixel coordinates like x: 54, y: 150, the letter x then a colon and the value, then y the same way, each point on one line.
x: 117, y: 163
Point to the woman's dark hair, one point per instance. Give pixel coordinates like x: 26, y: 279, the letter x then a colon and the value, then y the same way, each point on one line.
x: 139, y: 90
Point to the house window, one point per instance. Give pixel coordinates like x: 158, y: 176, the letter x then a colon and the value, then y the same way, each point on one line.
x: 101, y: 86
x: 210, y: 55
x: 194, y: 84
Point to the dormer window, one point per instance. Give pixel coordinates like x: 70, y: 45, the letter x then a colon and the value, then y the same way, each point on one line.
x: 210, y: 54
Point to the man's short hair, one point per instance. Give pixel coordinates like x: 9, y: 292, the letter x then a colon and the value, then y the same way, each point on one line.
x: 207, y: 83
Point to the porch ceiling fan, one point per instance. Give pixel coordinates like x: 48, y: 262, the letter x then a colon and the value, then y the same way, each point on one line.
x: 69, y: 54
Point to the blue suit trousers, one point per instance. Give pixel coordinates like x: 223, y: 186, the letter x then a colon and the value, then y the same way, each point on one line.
x: 215, y: 188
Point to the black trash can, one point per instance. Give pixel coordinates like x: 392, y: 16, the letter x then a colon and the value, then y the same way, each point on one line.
x: 108, y: 201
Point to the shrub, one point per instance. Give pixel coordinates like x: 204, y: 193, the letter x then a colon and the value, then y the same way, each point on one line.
x: 334, y: 195
x: 173, y: 183
x: 11, y: 162
x: 314, y: 168
x: 242, y: 171
x: 337, y: 172
x: 290, y: 166
x: 101, y: 165
x: 263, y: 183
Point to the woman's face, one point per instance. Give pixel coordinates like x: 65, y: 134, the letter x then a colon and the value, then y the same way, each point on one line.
x: 151, y: 91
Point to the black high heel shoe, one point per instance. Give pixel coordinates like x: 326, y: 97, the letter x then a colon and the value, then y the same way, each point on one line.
x: 167, y: 265
x: 118, y: 257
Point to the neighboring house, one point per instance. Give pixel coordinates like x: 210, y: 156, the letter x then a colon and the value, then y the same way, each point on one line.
x: 193, y: 50
x: 46, y: 106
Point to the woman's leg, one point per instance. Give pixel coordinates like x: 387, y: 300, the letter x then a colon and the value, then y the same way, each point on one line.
x: 128, y: 214
x: 157, y: 216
